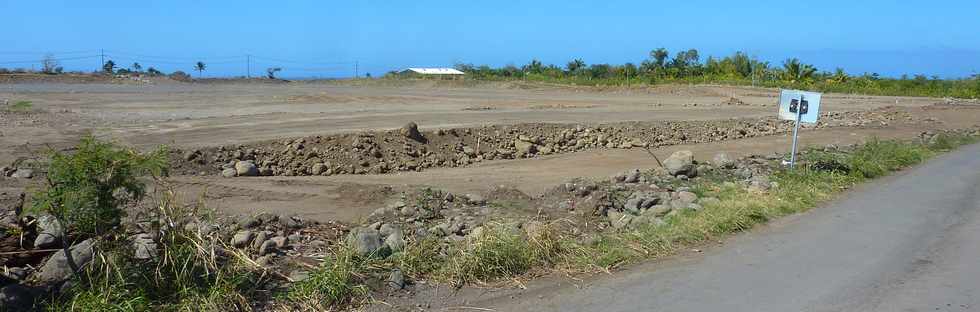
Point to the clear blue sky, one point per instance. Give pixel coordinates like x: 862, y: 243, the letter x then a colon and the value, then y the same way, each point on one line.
x: 889, y: 37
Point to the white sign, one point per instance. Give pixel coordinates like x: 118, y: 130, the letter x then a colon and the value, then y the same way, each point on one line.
x: 802, y: 104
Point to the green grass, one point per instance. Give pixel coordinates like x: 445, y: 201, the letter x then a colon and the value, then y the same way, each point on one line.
x: 334, y: 283
x: 20, y: 106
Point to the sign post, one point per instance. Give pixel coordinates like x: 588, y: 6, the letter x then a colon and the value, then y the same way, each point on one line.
x: 799, y: 106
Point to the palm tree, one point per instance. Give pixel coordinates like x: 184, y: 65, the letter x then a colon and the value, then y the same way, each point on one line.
x: 660, y: 56
x: 137, y: 67
x: 840, y: 76
x: 575, y: 65
x: 797, y: 71
x: 109, y: 67
x: 200, y: 67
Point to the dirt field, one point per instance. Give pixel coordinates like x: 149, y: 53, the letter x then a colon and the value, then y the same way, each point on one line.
x: 211, y: 114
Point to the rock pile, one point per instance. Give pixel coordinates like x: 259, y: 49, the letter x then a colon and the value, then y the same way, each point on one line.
x: 408, y: 149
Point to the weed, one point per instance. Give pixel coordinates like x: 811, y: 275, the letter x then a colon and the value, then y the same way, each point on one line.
x: 333, y: 283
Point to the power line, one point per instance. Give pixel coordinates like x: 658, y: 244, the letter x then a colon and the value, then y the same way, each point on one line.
x: 55, y: 59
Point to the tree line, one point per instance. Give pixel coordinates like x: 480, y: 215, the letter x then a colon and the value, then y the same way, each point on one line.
x: 687, y: 66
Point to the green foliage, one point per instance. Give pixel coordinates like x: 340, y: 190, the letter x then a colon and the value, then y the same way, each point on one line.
x: 333, y: 283
x: 109, y: 67
x: 86, y: 189
x: 20, y: 106
x: 736, y: 69
x: 191, y: 273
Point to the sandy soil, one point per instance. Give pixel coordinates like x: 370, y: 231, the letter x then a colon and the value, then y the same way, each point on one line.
x: 195, y: 115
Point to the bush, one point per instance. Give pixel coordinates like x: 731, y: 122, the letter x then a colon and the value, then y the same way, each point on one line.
x: 180, y: 76
x: 86, y: 189
x: 332, y: 284
x: 192, y: 272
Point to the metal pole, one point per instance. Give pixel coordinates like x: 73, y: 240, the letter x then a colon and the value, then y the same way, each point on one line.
x: 248, y: 66
x: 796, y: 129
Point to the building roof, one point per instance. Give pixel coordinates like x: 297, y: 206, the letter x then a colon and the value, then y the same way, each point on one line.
x: 435, y: 71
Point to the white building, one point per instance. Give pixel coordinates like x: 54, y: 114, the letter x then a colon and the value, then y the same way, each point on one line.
x: 434, y: 72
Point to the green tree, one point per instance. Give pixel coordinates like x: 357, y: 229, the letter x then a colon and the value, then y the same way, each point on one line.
x: 86, y: 190
x: 659, y: 57
x: 575, y: 65
x: 109, y: 67
x: 796, y: 71
x: 137, y: 67
x: 200, y: 67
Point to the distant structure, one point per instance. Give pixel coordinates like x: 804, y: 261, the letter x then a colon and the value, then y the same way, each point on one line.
x: 432, y: 72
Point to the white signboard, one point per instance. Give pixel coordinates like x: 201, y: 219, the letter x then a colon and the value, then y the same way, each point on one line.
x: 804, y: 104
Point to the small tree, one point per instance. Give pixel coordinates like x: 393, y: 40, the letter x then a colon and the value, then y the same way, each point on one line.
x: 271, y: 72
x: 153, y: 71
x: 109, y: 67
x: 137, y: 67
x: 86, y: 190
x: 200, y: 67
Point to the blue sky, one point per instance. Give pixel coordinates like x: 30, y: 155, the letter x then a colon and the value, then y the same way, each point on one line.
x: 323, y: 38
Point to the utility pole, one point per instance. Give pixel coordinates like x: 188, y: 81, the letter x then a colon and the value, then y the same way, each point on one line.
x: 102, y: 54
x: 356, y: 73
x: 248, y: 66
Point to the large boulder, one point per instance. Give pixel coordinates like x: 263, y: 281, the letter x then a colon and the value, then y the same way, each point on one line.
x: 57, y: 269
x: 411, y: 131
x: 23, y: 174
x: 525, y: 148
x: 246, y: 169
x: 366, y: 241
x: 680, y: 163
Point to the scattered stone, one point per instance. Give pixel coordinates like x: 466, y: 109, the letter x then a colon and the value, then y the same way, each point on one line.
x: 618, y: 219
x: 632, y: 176
x: 525, y: 148
x: 723, y: 160
x: 396, y: 280
x: 395, y: 242
x: 299, y: 275
x: 229, y: 173
x: 23, y: 174
x: 264, y: 261
x: 144, y: 247
x: 280, y: 241
x: 366, y: 241
x: 242, y: 238
x: 411, y: 131
x: 49, y: 230
x: 260, y: 239
x: 267, y: 247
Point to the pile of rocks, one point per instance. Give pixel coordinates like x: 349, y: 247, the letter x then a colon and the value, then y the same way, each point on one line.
x: 408, y: 149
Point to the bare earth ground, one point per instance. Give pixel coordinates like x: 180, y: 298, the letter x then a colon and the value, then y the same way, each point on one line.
x: 198, y: 115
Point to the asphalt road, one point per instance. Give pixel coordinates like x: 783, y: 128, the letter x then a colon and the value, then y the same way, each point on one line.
x: 910, y: 242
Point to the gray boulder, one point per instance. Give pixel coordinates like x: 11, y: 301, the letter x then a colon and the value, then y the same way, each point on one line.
x: 49, y: 231
x: 396, y: 280
x: 366, y: 241
x: 411, y: 131
x: 525, y: 148
x: 395, y: 241
x: 618, y: 219
x: 632, y: 176
x: 242, y: 238
x: 144, y: 247
x: 23, y: 174
x: 229, y: 173
x: 246, y: 169
x: 680, y: 163
x: 57, y: 270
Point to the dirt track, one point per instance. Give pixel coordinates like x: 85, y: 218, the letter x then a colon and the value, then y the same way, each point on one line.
x: 196, y: 115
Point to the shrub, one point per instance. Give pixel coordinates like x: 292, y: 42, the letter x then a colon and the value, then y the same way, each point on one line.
x: 180, y: 76
x: 86, y: 189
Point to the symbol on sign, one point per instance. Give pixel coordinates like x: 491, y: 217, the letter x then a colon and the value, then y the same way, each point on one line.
x: 795, y: 105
